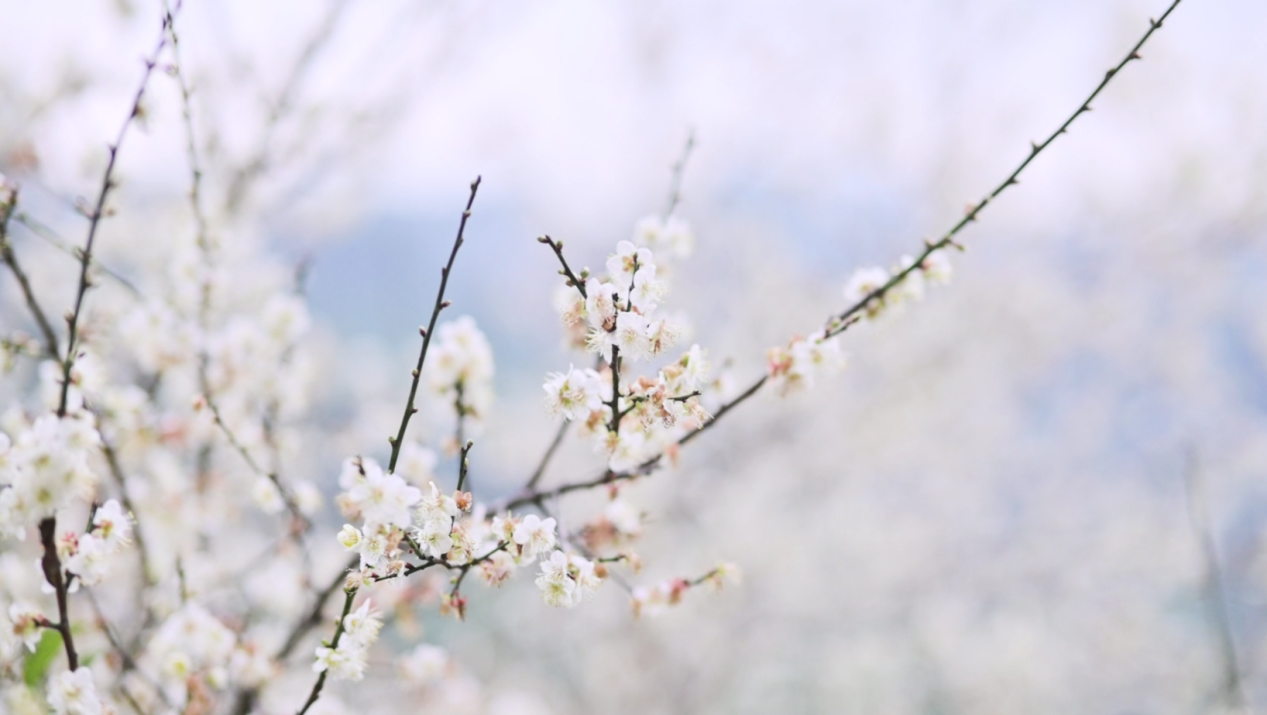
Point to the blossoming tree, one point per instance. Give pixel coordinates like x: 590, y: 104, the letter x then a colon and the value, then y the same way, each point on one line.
x: 159, y: 433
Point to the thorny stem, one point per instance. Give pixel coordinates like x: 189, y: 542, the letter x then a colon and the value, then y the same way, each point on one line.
x: 334, y: 643
x: 99, y: 210
x: 427, y: 332
x: 566, y: 271
x: 840, y: 322
x: 11, y: 259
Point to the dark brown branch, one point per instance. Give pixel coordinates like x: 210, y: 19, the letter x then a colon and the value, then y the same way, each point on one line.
x: 566, y: 270
x: 427, y: 332
x: 51, y: 563
x: 99, y: 211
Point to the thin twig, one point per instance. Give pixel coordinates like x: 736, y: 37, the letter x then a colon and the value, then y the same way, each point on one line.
x: 838, y: 323
x: 350, y: 594
x: 99, y: 211
x: 679, y: 168
x: 566, y: 270
x: 242, y: 179
x: 116, y: 472
x: 287, y: 498
x: 545, y: 458
x: 1233, y: 685
x: 49, y: 236
x: 11, y: 260
x: 427, y: 332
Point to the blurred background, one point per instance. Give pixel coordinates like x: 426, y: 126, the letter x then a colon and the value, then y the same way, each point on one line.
x: 991, y: 511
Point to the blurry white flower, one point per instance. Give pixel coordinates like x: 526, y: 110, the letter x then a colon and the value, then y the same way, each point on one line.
x: 424, y: 664
x: 534, y: 535
x: 573, y: 394
x: 73, y: 692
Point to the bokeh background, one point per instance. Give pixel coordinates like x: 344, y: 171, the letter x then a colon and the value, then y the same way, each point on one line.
x: 1000, y: 507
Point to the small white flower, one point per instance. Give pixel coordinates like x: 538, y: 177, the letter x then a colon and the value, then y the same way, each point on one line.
x: 557, y: 587
x: 573, y: 394
x: 535, y: 535
x: 73, y: 692
x: 937, y: 268
x: 26, y: 624
x: 424, y: 665
x: 362, y: 625
x: 350, y: 537
x: 862, y: 283
x: 267, y: 496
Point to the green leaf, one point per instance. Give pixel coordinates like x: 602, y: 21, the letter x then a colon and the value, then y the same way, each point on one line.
x: 36, y: 665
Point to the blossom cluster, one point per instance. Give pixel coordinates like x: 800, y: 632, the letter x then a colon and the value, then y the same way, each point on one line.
x: 634, y: 421
x: 44, y: 469
x: 347, y: 659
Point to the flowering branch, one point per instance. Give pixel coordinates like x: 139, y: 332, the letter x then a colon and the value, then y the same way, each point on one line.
x: 440, y: 305
x: 540, y: 471
x: 349, y: 594
x: 838, y: 323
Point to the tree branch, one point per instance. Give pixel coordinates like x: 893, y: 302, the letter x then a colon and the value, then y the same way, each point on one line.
x: 427, y: 332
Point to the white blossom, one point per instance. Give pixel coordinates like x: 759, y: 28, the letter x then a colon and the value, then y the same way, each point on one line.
x: 424, y: 665
x: 573, y: 394
x: 73, y: 692
x: 534, y: 535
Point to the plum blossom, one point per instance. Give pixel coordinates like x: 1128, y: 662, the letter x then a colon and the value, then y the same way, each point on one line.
x: 383, y: 498
x: 534, y: 535
x: 565, y: 581
x: 573, y: 394
x: 73, y: 692
x: 424, y: 665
